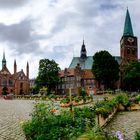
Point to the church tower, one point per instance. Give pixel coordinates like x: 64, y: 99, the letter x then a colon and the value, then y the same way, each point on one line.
x: 3, y: 60
x: 83, y: 54
x: 128, y: 42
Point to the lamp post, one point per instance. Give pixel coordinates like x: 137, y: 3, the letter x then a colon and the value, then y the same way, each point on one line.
x: 70, y: 99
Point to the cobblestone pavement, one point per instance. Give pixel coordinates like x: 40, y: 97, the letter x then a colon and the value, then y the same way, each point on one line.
x: 126, y: 122
x: 12, y: 113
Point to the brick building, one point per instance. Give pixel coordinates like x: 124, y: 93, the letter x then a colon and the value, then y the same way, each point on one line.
x: 16, y: 83
x: 78, y: 74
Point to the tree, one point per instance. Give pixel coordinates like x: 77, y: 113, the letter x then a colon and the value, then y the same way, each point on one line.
x: 131, y: 77
x: 105, y: 69
x: 48, y: 75
x: 34, y: 89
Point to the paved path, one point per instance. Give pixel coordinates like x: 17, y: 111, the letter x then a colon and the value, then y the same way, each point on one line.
x: 12, y: 113
x: 126, y: 122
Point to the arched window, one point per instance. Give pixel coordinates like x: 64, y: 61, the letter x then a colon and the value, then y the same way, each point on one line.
x: 21, y: 85
x: 10, y: 82
x: 4, y: 81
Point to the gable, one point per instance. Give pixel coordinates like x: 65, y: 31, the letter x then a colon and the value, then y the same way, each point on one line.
x: 5, y: 71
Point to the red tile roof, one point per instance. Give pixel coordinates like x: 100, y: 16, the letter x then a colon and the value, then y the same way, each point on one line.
x: 87, y: 74
x: 70, y: 72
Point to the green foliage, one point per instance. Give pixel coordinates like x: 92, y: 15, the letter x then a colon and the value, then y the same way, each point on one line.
x: 122, y: 99
x: 105, y: 108
x: 34, y: 90
x: 137, y: 134
x: 105, y: 68
x: 131, y: 77
x: 96, y: 133
x: 65, y: 100
x: 77, y: 98
x: 43, y: 91
x: 48, y: 74
x: 83, y: 94
x: 137, y: 98
x: 46, y: 125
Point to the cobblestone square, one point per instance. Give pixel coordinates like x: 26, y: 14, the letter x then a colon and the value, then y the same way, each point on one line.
x: 12, y: 113
x: 126, y: 122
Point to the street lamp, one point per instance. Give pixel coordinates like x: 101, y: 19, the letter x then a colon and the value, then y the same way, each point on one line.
x: 70, y: 99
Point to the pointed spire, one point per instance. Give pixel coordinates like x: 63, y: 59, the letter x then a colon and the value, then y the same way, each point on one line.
x: 27, y: 70
x: 128, y: 30
x: 15, y: 67
x: 83, y: 42
x: 3, y: 60
x: 83, y: 51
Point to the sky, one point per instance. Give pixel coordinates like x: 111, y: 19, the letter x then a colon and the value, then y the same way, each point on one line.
x: 31, y: 30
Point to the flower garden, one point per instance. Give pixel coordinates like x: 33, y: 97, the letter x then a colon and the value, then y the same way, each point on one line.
x: 80, y: 123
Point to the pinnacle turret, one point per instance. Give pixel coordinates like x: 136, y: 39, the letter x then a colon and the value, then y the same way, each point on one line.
x: 83, y: 51
x: 3, y: 60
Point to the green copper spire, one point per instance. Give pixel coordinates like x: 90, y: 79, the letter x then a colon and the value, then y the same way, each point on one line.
x: 128, y: 31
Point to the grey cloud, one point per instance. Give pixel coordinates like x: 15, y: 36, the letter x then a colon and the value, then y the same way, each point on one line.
x: 12, y: 3
x: 60, y: 24
x: 83, y: 19
x: 83, y: 16
x: 19, y: 37
x: 16, y: 33
x: 59, y: 52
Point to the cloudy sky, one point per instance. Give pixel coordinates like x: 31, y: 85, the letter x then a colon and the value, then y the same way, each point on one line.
x: 34, y: 29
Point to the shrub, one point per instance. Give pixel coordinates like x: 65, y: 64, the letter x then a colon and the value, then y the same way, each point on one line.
x: 46, y: 125
x: 123, y: 99
x: 96, y: 133
x: 138, y: 98
x: 137, y: 134
x: 104, y: 108
x: 77, y: 99
x: 66, y: 100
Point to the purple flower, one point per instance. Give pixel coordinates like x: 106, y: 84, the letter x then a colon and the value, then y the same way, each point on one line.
x: 132, y: 99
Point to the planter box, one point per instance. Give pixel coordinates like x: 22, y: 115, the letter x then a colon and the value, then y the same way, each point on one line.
x: 135, y: 107
x: 120, y: 107
x: 103, y: 121
x: 65, y: 105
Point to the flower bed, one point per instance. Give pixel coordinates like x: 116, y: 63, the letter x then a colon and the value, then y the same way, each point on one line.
x: 76, y: 101
x: 39, y: 97
x: 105, y: 110
x: 103, y: 121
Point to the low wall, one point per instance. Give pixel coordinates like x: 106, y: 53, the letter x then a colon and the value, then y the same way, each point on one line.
x: 103, y: 121
x: 135, y: 107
